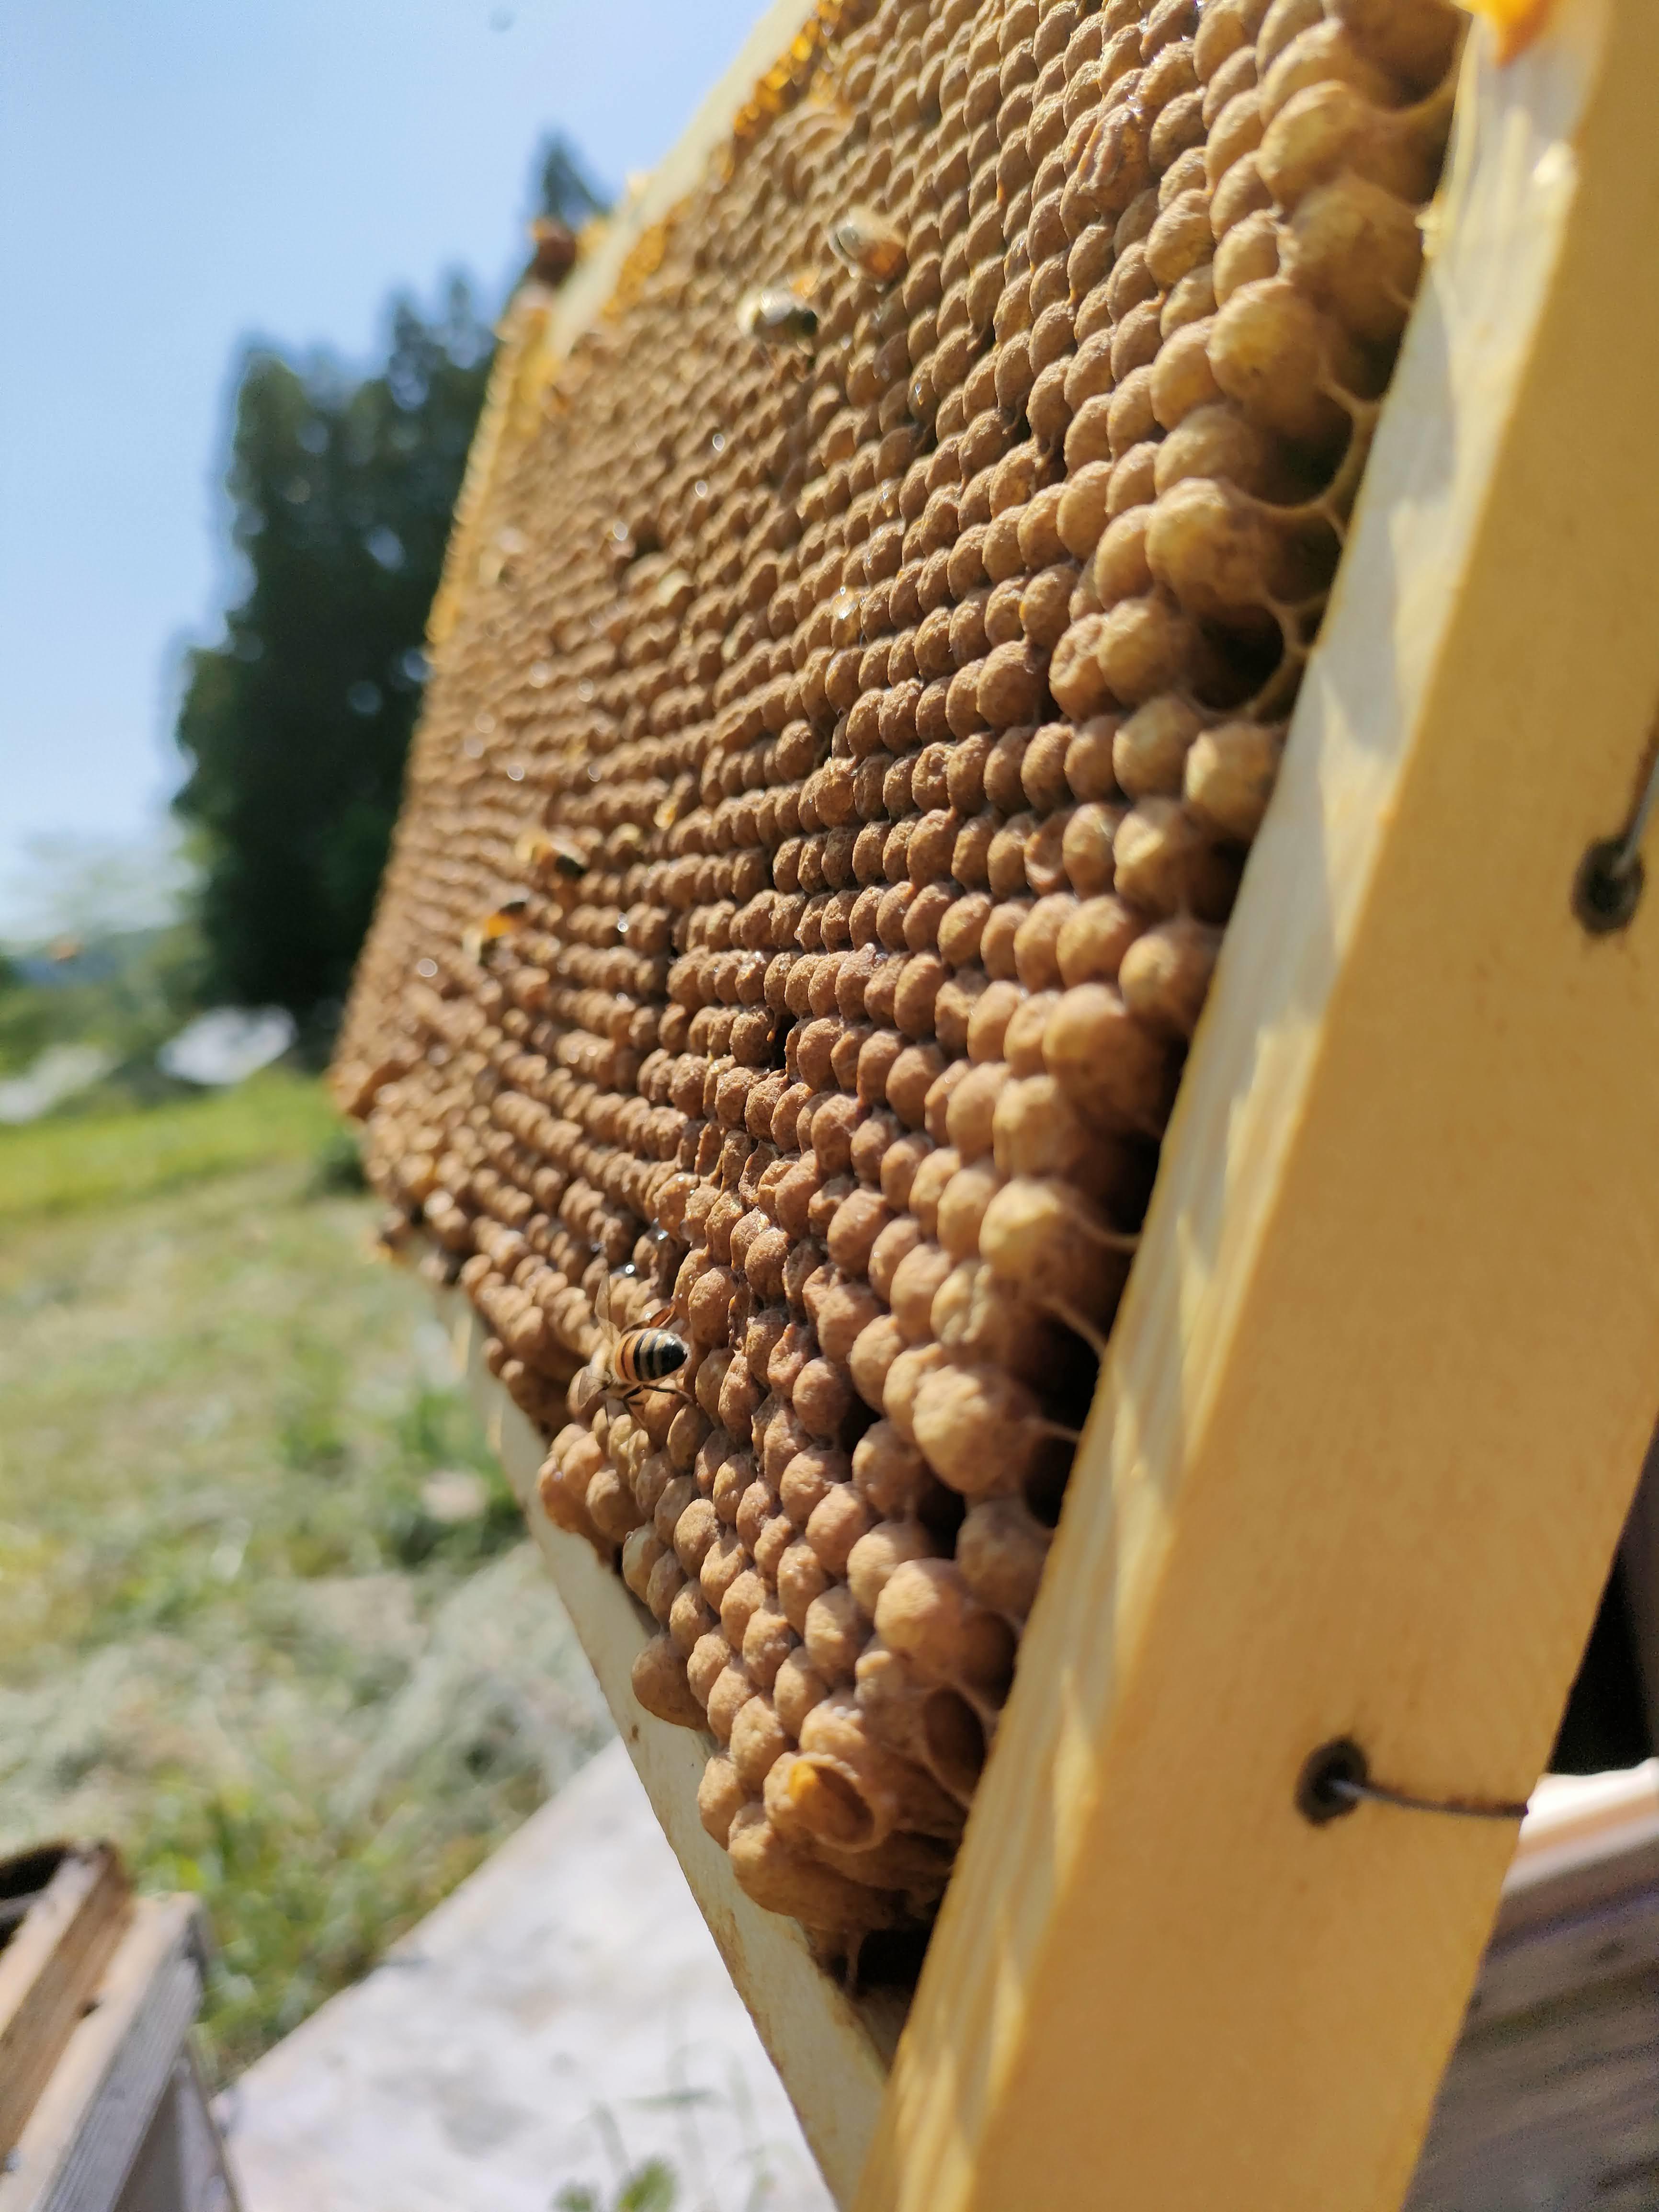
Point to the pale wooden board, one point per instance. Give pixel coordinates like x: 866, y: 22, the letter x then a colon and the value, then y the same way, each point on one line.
x: 180, y: 2165
x: 832, y: 2052
x: 1563, y: 2116
x: 1581, y: 1899
x: 1550, y: 2099
x: 1573, y: 1818
x: 1381, y: 1387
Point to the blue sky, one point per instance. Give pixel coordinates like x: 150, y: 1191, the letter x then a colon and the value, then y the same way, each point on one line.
x: 177, y: 175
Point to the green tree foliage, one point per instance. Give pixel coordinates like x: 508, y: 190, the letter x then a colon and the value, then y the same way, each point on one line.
x: 25, y: 1020
x: 295, y: 726
x: 563, y: 188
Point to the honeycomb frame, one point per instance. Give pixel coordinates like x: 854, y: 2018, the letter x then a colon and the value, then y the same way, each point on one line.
x: 892, y: 659
x: 1125, y: 1355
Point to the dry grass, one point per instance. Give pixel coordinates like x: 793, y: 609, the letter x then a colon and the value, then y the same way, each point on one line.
x: 233, y: 1632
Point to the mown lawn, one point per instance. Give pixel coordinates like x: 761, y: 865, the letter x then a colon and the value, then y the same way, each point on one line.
x: 242, y: 1629
x: 76, y: 1163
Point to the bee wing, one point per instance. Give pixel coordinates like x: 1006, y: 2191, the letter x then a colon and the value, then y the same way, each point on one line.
x: 660, y: 1319
x: 868, y: 244
x: 777, y: 315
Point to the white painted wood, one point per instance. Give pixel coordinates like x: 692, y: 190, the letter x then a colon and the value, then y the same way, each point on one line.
x: 559, y: 2019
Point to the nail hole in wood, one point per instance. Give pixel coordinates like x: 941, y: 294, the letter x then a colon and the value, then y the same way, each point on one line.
x: 1324, y: 1789
x: 1608, y: 889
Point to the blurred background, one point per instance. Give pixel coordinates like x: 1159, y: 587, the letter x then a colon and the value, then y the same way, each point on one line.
x: 266, y: 1615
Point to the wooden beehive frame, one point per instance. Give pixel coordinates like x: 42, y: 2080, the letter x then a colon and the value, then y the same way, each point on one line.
x: 1378, y: 1395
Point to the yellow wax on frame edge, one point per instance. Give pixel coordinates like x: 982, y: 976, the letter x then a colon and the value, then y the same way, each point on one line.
x: 1517, y: 23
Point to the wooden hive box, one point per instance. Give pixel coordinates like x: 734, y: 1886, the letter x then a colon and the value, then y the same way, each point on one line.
x: 1549, y: 2095
x: 861, y: 1071
x: 102, y: 2105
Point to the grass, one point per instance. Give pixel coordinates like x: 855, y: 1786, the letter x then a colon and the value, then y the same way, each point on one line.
x: 239, y: 1631
x: 652, y: 2188
x: 71, y: 1162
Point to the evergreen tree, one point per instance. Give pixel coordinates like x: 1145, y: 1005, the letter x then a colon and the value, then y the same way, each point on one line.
x: 296, y: 727
x: 564, y: 191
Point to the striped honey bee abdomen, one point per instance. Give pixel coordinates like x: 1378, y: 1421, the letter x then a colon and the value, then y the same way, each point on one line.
x: 645, y: 1355
x: 549, y: 852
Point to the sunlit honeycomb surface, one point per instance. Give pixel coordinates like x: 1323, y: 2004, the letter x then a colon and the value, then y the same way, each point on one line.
x: 827, y: 812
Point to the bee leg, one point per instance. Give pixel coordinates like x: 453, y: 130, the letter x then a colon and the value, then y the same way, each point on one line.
x: 668, y: 1389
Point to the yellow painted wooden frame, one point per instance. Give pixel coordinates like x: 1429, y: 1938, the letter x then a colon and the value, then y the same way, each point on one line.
x: 1378, y: 1399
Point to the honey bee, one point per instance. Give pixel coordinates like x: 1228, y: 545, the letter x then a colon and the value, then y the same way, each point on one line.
x: 480, y: 940
x: 631, y: 1362
x: 778, y: 318
x: 549, y: 853
x: 866, y: 245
